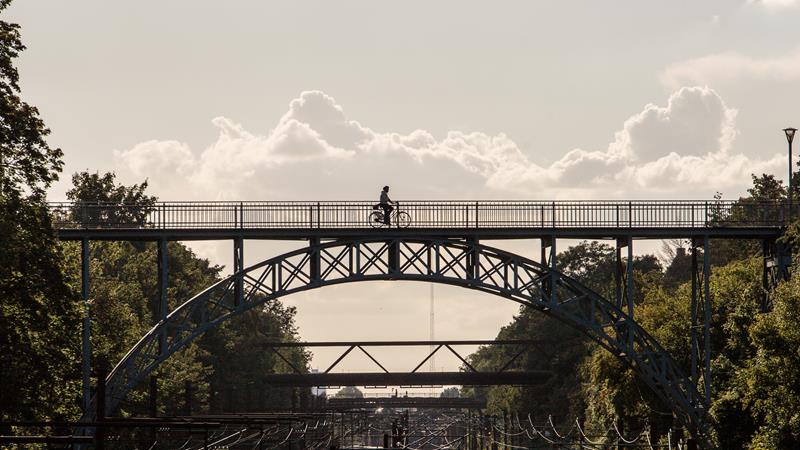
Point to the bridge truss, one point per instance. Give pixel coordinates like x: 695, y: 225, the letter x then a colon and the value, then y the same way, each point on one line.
x: 469, y: 376
x: 442, y: 245
x: 461, y: 263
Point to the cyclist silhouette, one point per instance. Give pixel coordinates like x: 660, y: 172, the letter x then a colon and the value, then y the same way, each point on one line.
x: 385, y: 203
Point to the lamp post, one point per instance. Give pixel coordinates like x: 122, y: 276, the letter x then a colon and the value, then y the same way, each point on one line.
x: 790, y: 137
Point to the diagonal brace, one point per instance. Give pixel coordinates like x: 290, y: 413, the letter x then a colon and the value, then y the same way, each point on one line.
x: 340, y: 358
x: 286, y: 360
x: 461, y: 358
x: 427, y: 358
x: 373, y: 359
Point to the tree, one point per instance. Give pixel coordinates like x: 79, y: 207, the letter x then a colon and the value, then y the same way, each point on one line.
x: 562, y: 349
x: 762, y: 205
x: 100, y: 201
x: 124, y: 292
x: 39, y: 312
x: 27, y: 162
x: 40, y: 318
x: 349, y: 392
x: 593, y: 264
x: 451, y: 392
x: 755, y: 366
x: 771, y: 377
x: 679, y: 270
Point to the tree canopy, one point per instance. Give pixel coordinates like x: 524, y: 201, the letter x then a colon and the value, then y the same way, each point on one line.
x: 27, y: 162
x: 39, y: 312
x: 755, y: 361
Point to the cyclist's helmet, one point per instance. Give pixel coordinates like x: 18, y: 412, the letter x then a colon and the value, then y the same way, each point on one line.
x: 386, y: 188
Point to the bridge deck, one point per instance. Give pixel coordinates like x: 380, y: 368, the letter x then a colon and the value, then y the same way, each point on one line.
x: 447, y: 219
x: 406, y: 402
x: 418, y: 379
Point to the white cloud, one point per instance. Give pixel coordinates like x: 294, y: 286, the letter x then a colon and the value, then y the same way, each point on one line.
x: 729, y: 67
x: 166, y: 163
x: 315, y: 151
x: 776, y: 3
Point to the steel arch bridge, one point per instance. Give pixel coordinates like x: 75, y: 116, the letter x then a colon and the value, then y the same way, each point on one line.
x: 464, y: 263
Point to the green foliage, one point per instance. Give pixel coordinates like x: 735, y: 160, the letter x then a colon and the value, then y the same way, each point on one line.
x: 39, y: 311
x: 679, y: 270
x: 124, y: 293
x: 593, y: 264
x: 451, y: 392
x: 755, y: 363
x: 39, y: 317
x: 40, y: 321
x: 562, y: 349
x: 765, y: 189
x: 27, y: 162
x: 771, y: 376
x: 99, y: 200
x: 349, y: 392
x: 238, y: 351
x: 755, y: 360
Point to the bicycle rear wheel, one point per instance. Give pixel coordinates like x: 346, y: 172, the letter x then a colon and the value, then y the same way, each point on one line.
x: 403, y: 219
x: 375, y: 219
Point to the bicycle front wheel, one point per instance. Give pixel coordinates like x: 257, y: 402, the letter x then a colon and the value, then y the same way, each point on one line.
x: 375, y: 219
x: 403, y: 220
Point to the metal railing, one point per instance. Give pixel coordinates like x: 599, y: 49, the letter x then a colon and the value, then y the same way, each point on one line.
x: 424, y: 214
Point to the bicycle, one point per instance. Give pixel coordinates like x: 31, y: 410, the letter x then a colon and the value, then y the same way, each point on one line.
x: 399, y: 219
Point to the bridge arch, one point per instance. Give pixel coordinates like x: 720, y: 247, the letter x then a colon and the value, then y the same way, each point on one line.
x: 461, y: 263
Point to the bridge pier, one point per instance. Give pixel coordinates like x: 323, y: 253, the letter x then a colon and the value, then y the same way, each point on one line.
x: 624, y: 287
x: 548, y: 259
x: 777, y: 259
x: 238, y: 266
x: 700, y: 310
x: 152, y: 400
x: 623, y: 277
x: 393, y: 256
x: 314, y: 262
x: 161, y: 307
x: 86, y: 344
x: 473, y: 260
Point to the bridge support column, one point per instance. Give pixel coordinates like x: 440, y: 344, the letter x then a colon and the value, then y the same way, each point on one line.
x: 473, y: 261
x: 701, y: 336
x: 314, y: 262
x: 549, y: 259
x: 152, y: 401
x: 86, y: 344
x: 707, y: 317
x: 238, y: 265
x: 161, y: 307
x: 619, y: 274
x: 393, y: 254
x: 777, y: 260
x: 623, y: 277
x: 100, y: 432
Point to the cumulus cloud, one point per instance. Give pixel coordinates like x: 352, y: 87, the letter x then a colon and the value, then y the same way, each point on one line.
x: 165, y: 162
x: 731, y: 66
x: 681, y: 149
x: 776, y: 3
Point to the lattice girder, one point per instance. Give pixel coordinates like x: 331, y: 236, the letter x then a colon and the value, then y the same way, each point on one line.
x: 455, y: 262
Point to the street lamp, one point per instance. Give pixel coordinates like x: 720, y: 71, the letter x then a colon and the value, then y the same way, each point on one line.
x: 790, y: 137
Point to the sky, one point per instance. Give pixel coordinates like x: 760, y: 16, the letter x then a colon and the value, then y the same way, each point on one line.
x: 323, y: 100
